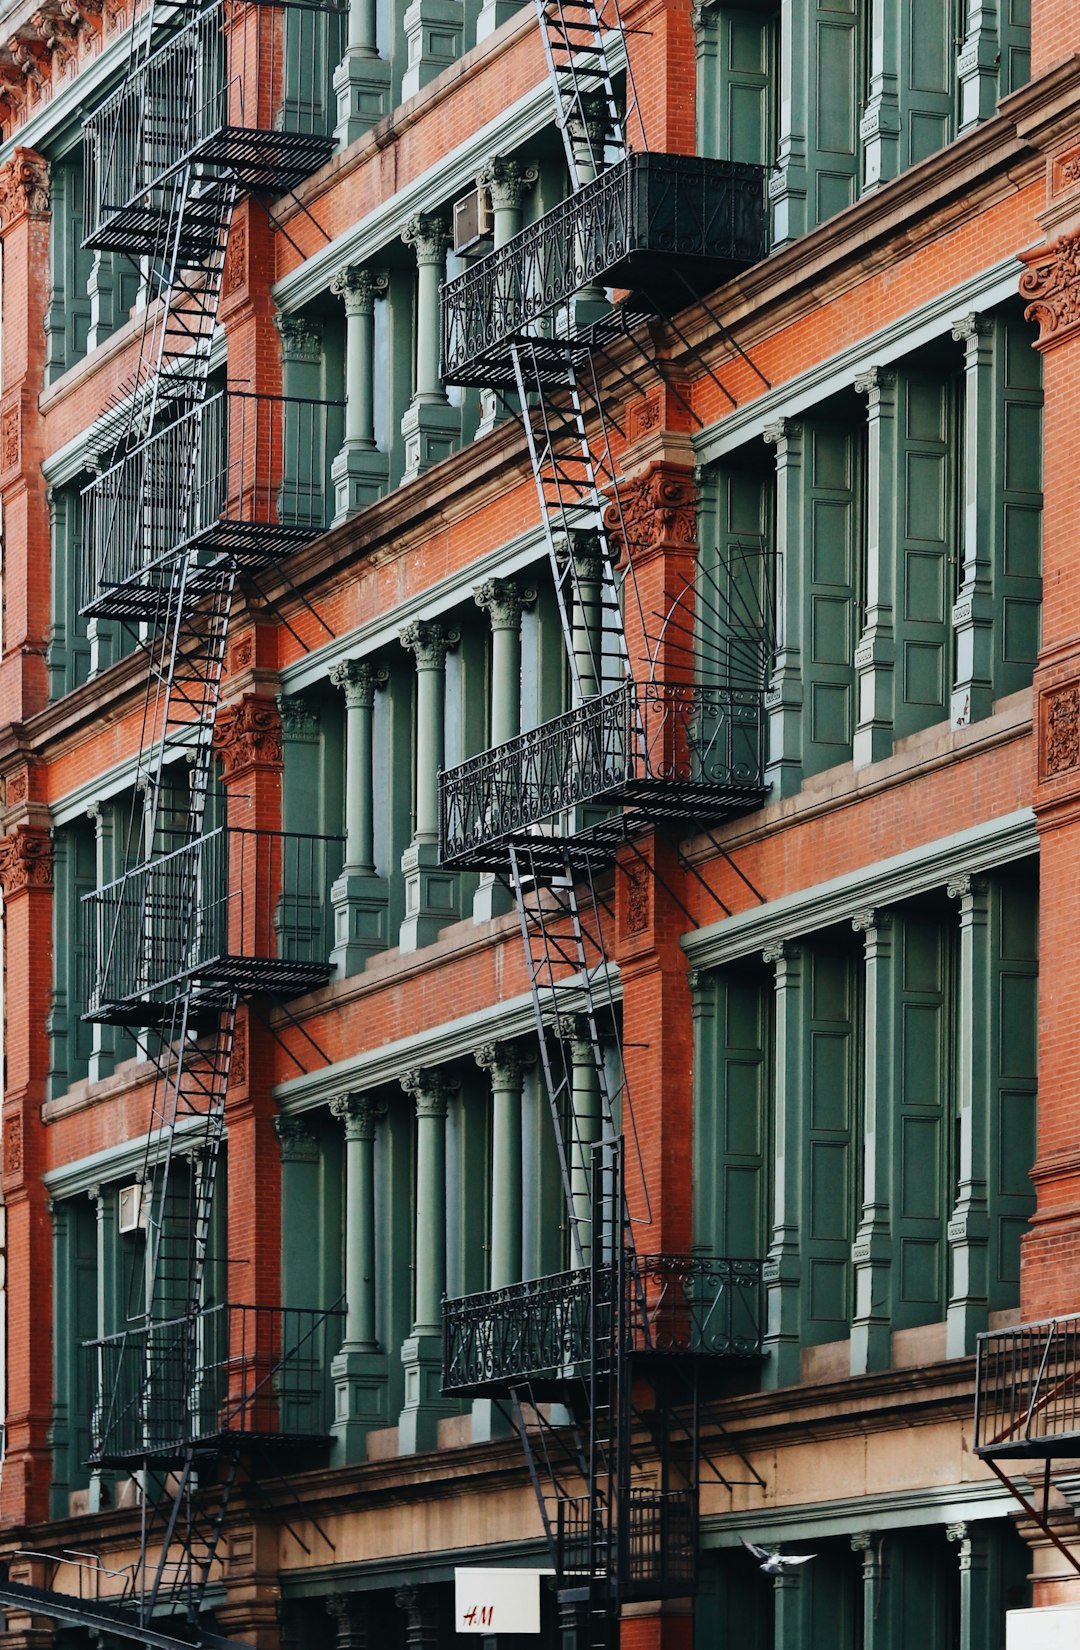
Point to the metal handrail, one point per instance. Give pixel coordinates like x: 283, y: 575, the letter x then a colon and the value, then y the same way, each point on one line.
x: 1027, y: 1388
x: 637, y: 735
x: 647, y: 204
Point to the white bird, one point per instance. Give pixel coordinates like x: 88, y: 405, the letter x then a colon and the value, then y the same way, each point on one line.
x: 776, y: 1562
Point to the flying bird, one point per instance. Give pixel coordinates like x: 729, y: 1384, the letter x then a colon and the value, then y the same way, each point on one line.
x: 774, y: 1563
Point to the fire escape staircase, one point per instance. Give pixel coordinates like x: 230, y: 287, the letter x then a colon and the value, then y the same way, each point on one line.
x: 617, y: 1488
x: 196, y: 488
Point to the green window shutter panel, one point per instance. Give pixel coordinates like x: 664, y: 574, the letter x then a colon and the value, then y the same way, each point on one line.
x: 830, y: 540
x: 1014, y: 45
x: 67, y: 320
x: 928, y: 433
x: 1013, y: 1082
x: 831, y: 1058
x: 929, y: 31
x: 1018, y: 506
x: 836, y: 55
x: 732, y: 1068
x: 922, y: 1126
x: 742, y: 93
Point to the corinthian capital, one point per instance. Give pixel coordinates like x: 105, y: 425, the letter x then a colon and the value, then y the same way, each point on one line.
x: 358, y: 287
x: 429, y: 642
x: 360, y: 681
x: 428, y: 236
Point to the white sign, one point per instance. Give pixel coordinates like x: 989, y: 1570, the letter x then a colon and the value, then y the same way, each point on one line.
x: 1055, y: 1627
x: 497, y: 1601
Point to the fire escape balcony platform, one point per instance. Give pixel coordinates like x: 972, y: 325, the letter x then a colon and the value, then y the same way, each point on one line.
x: 1027, y: 1391
x: 663, y: 751
x: 227, y: 1374
x: 237, y: 478
x: 677, y: 1307
x: 235, y: 910
x: 223, y: 93
x: 667, y: 228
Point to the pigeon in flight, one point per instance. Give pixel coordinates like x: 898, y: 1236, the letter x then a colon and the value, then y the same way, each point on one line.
x: 774, y: 1563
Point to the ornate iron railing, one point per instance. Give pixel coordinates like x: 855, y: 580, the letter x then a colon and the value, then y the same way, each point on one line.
x: 625, y: 229
x: 240, y: 909
x: 1027, y: 1389
x: 232, y: 89
x: 252, y: 1371
x: 653, y: 1533
x: 676, y: 1305
x: 241, y: 476
x: 669, y: 749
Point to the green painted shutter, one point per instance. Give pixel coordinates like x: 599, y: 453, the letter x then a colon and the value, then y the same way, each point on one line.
x: 831, y: 614
x: 67, y: 319
x: 831, y: 1058
x: 1018, y: 505
x: 1014, y: 45
x: 929, y: 33
x: 738, y: 92
x: 922, y: 1123
x: 928, y: 435
x: 836, y: 74
x: 1013, y: 1080
x: 733, y: 1193
x: 75, y: 1320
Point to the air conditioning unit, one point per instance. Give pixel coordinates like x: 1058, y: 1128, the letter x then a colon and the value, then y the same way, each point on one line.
x: 132, y: 1217
x: 474, y: 222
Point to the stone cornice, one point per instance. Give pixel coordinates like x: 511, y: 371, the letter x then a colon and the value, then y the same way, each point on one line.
x: 888, y: 881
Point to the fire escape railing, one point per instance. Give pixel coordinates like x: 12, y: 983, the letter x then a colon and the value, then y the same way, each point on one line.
x: 673, y: 749
x: 245, y: 116
x: 240, y: 476
x: 539, y: 1331
x: 264, y: 922
x: 1027, y: 1390
x: 255, y: 1372
x: 619, y: 231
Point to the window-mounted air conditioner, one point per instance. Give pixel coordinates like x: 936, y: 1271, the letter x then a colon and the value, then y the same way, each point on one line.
x: 132, y: 1218
x: 474, y: 222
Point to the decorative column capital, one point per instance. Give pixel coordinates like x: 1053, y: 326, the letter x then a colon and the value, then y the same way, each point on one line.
x: 969, y: 329
x: 26, y: 860
x: 504, y: 601
x: 782, y: 434
x: 430, y: 641
x: 358, y: 287
x: 584, y: 547
x: 350, y: 1612
x: 966, y: 886
x: 430, y: 1090
x: 301, y: 338
x: 359, y: 680
x: 593, y: 121
x: 877, y: 384
x: 654, y: 510
x: 360, y: 1113
x: 248, y: 733
x: 505, y: 1062
x: 506, y: 181
x: 24, y: 187
x: 428, y: 236
x: 870, y: 918
x: 295, y: 1141
x: 574, y: 1029
x: 299, y: 718
x: 861, y: 1541
x: 780, y: 951
x: 1051, y: 284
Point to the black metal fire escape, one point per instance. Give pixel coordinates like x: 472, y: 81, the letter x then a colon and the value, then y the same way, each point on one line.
x: 617, y: 1485
x: 198, y: 487
x: 1027, y: 1415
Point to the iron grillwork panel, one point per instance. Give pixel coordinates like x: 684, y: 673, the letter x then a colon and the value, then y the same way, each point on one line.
x: 252, y: 1372
x: 235, y: 910
x: 1027, y: 1390
x: 650, y: 220
x: 654, y: 1535
x: 538, y: 1331
x: 672, y: 750
x: 230, y: 90
x: 240, y: 477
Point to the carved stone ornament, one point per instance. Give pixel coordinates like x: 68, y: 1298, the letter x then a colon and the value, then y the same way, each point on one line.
x: 637, y: 899
x: 25, y: 860
x: 10, y: 437
x: 13, y: 1145
x: 248, y: 732
x: 234, y: 273
x: 24, y: 187
x: 1060, y: 730
x: 1051, y: 284
x: 658, y: 508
